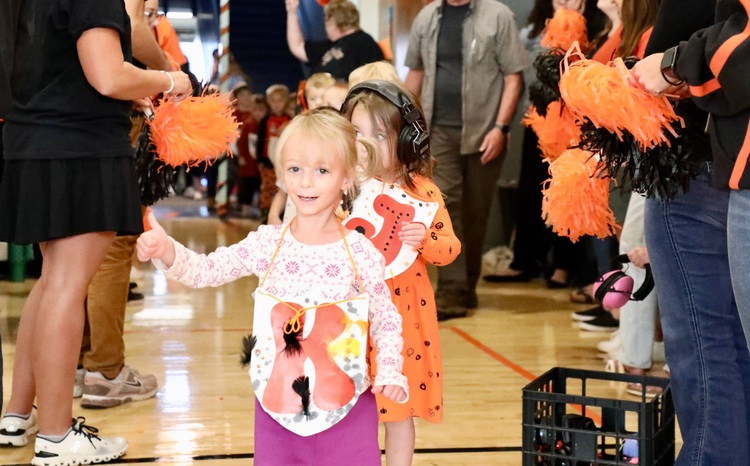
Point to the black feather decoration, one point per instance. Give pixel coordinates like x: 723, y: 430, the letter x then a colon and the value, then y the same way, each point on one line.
x: 155, y: 178
x: 248, y: 343
x: 663, y: 171
x: 301, y: 387
x: 293, y: 345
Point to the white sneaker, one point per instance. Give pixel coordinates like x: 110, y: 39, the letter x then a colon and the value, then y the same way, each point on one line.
x: 81, y: 445
x: 610, y: 346
x: 78, y: 387
x: 16, y: 430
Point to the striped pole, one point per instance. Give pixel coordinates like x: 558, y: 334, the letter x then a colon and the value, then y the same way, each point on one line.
x: 222, y: 196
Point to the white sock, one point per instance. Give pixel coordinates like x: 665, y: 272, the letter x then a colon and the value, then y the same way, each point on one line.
x: 55, y: 438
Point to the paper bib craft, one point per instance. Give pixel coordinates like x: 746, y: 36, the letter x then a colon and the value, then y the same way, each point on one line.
x: 379, y: 212
x: 309, y: 380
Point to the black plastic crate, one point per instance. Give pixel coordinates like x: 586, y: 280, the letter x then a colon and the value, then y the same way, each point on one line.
x: 565, y: 424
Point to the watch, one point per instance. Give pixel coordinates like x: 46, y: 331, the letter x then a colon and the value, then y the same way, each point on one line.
x: 505, y: 129
x: 668, y: 64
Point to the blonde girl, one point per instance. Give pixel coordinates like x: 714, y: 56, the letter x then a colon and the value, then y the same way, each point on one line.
x: 320, y: 296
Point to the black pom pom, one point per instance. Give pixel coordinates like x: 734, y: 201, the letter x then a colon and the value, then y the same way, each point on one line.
x: 301, y: 387
x: 663, y: 171
x: 155, y: 178
x: 248, y: 343
x: 546, y: 90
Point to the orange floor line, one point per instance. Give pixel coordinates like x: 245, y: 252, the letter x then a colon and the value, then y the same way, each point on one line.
x: 511, y: 365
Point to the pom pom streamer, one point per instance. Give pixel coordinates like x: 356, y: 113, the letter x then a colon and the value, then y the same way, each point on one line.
x: 193, y: 130
x: 602, y: 94
x: 557, y: 131
x: 154, y: 177
x: 565, y: 28
x: 576, y: 197
x: 662, y: 171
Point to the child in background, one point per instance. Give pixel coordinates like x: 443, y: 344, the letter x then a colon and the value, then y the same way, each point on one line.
x: 269, y: 129
x: 336, y: 94
x: 248, y: 175
x: 315, y: 89
x: 390, y: 114
x: 376, y: 70
x: 331, y: 418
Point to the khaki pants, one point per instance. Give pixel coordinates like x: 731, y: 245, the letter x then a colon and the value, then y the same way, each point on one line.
x: 103, y: 346
x: 468, y: 187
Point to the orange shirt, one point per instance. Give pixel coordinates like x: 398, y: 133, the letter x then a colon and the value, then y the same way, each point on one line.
x: 167, y: 38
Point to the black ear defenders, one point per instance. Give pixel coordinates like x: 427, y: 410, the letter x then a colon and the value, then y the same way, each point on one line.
x: 613, y: 289
x: 414, y: 138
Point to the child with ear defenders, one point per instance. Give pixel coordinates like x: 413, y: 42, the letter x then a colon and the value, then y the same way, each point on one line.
x: 320, y: 298
x: 416, y: 230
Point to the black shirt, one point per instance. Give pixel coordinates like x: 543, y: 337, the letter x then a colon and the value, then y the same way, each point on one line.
x: 449, y: 67
x: 56, y: 113
x: 343, y: 56
x: 669, y: 30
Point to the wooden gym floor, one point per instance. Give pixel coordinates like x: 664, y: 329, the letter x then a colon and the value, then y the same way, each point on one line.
x: 203, y: 413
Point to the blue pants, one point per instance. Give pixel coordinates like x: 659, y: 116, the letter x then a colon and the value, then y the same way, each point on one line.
x: 703, y: 339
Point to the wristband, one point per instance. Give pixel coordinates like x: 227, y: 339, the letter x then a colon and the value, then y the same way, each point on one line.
x: 171, y: 82
x: 505, y: 129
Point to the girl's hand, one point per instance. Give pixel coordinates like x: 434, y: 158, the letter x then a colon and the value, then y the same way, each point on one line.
x: 155, y: 244
x: 392, y: 392
x: 412, y: 234
x: 639, y: 257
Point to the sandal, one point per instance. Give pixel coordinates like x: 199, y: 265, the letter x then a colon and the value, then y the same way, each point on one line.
x: 582, y: 296
x: 636, y: 389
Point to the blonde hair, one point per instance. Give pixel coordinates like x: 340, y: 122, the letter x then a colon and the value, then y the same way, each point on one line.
x: 329, y: 128
x: 384, y: 113
x: 343, y: 13
x: 320, y: 81
x: 277, y: 89
x: 376, y: 70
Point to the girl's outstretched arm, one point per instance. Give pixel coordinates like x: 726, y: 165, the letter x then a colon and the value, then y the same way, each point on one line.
x: 440, y: 245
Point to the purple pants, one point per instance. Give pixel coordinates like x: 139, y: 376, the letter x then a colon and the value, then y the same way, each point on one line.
x: 354, y: 440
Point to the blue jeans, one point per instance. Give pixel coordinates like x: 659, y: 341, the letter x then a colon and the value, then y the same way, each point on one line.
x: 703, y: 339
x: 738, y: 230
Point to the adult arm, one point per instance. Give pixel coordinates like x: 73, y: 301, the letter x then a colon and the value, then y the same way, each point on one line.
x: 145, y: 48
x: 294, y: 37
x: 414, y: 80
x: 714, y: 62
x: 105, y: 68
x: 495, y: 141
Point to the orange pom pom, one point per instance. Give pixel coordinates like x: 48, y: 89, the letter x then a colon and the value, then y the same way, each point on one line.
x: 576, y: 197
x: 193, y: 130
x: 602, y: 94
x: 323, y: 2
x: 556, y: 132
x: 565, y: 27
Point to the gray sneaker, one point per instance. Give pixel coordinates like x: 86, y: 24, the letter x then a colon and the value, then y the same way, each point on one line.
x: 100, y: 392
x: 78, y: 386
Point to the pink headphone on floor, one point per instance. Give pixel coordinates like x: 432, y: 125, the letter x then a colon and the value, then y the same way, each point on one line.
x: 615, y: 288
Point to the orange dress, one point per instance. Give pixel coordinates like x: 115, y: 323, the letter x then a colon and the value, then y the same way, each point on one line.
x: 414, y: 297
